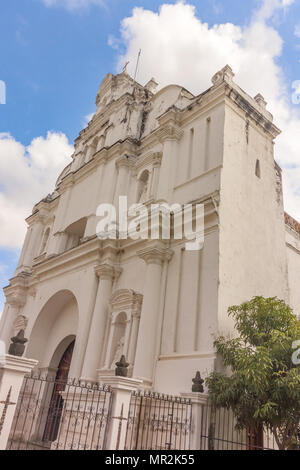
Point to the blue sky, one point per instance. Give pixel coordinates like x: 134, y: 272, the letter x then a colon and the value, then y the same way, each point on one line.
x: 53, y: 59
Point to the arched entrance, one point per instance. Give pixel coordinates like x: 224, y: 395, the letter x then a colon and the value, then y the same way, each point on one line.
x: 57, y: 320
x: 56, y: 403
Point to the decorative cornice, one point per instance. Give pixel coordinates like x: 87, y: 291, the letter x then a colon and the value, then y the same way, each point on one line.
x: 292, y: 223
x: 224, y: 75
x: 41, y: 215
x: 156, y: 159
x: 16, y: 292
x: 126, y: 161
x: 127, y: 299
x: 251, y: 111
x: 169, y: 126
x: 155, y: 254
x: 66, y: 183
x: 108, y: 272
x: 169, y: 132
x: 150, y: 159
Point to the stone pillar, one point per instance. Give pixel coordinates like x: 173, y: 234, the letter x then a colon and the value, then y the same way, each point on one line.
x: 34, y: 243
x: 122, y: 388
x: 11, y: 315
x: 123, y: 165
x: 200, y: 425
x: 106, y: 273
x: 155, y: 175
x: 15, y: 300
x: 57, y: 242
x: 133, y: 339
x: 169, y: 134
x: 89, y: 153
x: 112, y: 327
x: 146, y: 345
x: 12, y: 373
x: 24, y: 249
x: 127, y: 336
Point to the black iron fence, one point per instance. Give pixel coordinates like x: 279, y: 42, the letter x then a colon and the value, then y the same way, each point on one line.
x: 68, y: 415
x: 219, y: 432
x: 158, y: 422
x: 60, y: 415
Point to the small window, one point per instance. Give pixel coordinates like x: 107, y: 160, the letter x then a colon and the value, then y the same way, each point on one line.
x: 257, y: 169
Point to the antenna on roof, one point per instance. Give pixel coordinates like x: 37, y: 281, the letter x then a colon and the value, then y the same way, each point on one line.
x: 137, y: 63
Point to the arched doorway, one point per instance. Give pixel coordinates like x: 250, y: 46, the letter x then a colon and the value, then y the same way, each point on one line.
x: 54, y: 325
x: 56, y: 403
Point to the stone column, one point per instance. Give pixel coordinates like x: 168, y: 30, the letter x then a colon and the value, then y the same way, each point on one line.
x: 112, y: 327
x: 155, y: 174
x: 201, y: 413
x: 16, y: 298
x: 169, y: 134
x: 127, y: 336
x: 34, y: 243
x: 123, y: 165
x: 12, y: 373
x: 106, y: 273
x: 57, y: 242
x: 122, y: 388
x: 90, y: 152
x: 133, y: 339
x: 146, y: 345
x: 11, y: 315
x: 24, y: 249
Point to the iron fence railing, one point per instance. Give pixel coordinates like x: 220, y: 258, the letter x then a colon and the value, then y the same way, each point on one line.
x: 158, y: 422
x: 60, y: 415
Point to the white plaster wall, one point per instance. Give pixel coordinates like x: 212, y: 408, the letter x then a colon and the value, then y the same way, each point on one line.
x: 191, y: 302
x: 207, y: 149
x: 174, y: 375
x: 252, y: 236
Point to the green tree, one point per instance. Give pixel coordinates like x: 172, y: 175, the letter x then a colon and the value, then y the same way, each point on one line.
x: 263, y: 386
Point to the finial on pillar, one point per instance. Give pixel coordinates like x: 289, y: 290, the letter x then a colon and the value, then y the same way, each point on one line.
x: 224, y: 75
x: 122, y: 367
x: 260, y: 100
x: 198, y: 384
x: 17, y: 346
x: 152, y: 85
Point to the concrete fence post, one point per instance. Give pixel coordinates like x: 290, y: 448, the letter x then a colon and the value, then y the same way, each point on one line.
x: 200, y: 424
x: 12, y: 372
x: 122, y: 388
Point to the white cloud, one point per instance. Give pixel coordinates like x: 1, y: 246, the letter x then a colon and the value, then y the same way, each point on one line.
x: 73, y: 4
x: 269, y: 7
x: 177, y: 47
x: 27, y: 175
x: 297, y: 30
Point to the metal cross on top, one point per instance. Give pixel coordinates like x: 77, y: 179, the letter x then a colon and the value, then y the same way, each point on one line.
x: 6, y: 404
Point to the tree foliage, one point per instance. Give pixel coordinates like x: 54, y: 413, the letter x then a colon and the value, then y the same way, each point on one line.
x: 263, y: 387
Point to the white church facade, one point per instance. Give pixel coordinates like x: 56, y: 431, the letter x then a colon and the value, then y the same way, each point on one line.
x: 89, y: 300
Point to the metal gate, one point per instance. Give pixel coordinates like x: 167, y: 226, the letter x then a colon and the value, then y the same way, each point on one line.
x: 158, y: 422
x: 60, y: 415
